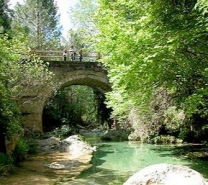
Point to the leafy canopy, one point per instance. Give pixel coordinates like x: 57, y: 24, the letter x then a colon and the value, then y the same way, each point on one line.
x: 152, y: 44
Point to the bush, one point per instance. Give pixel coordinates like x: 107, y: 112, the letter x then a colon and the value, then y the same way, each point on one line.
x: 165, y: 140
x: 62, y: 132
x: 20, y: 151
x: 5, y: 160
x: 32, y: 146
x: 6, y: 164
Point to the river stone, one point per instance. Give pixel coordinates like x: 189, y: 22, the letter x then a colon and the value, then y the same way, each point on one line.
x: 72, y: 145
x: 166, y: 174
x: 76, y: 147
x: 49, y: 145
x: 63, y: 164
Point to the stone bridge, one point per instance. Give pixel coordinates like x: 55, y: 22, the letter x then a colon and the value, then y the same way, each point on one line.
x: 91, y: 74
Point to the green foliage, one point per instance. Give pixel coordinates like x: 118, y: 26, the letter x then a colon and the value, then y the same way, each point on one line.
x: 6, y: 164
x: 194, y: 130
x: 173, y: 118
x: 148, y: 45
x: 9, y: 111
x: 19, y: 73
x: 119, y: 97
x: 75, y: 106
x: 5, y: 160
x: 24, y: 147
x: 202, y: 6
x: 62, y: 132
x: 40, y: 18
x: 161, y: 118
x: 32, y: 145
x: 5, y: 18
x: 167, y: 139
x: 21, y: 150
x: 82, y: 16
x: 9, y: 117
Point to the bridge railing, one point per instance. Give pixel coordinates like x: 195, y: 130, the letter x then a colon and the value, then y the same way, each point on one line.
x: 57, y: 55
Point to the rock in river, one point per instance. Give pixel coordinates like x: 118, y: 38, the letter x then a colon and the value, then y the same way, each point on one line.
x: 166, y: 174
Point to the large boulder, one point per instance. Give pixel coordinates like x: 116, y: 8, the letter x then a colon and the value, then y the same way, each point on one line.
x: 166, y: 174
x: 72, y: 145
x: 72, y: 153
x: 49, y: 145
x: 76, y: 147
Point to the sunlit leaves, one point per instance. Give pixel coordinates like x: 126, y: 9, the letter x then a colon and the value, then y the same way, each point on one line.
x: 152, y: 44
x: 21, y: 71
x: 82, y: 16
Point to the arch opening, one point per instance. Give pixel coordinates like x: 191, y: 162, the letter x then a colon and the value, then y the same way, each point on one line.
x: 77, y: 107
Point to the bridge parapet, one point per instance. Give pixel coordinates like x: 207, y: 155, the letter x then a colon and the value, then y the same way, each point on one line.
x: 57, y: 55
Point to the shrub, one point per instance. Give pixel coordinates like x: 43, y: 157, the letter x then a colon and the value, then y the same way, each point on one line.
x: 62, y: 132
x: 165, y: 140
x: 6, y: 164
x: 20, y: 151
x: 5, y: 159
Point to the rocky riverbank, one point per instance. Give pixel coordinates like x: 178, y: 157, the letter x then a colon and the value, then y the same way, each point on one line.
x: 73, y: 146
x: 57, y: 161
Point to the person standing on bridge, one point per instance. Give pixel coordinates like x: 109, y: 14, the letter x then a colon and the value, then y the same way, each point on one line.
x: 64, y: 55
x: 72, y: 53
x: 80, y: 55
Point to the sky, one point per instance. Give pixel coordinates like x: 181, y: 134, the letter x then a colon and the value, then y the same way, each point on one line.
x: 64, y: 7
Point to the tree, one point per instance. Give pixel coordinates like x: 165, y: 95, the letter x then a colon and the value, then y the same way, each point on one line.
x: 147, y: 47
x: 9, y: 118
x: 20, y: 72
x: 82, y: 17
x: 5, y: 17
x: 40, y: 18
x: 75, y: 106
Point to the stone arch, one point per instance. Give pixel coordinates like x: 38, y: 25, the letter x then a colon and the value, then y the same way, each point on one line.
x: 65, y: 74
x: 79, y: 78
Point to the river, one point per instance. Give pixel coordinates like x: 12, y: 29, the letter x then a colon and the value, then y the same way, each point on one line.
x: 112, y: 164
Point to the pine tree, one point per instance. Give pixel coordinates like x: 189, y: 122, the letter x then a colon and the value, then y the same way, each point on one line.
x: 42, y: 21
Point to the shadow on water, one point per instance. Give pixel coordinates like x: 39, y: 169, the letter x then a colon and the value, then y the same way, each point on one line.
x: 98, y: 175
x: 198, y: 163
x: 97, y: 160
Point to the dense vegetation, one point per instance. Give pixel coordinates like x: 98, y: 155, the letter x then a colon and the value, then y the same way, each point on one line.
x: 156, y: 53
x: 79, y: 107
x: 19, y: 71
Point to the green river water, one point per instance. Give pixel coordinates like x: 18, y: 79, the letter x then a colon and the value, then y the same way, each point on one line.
x: 112, y: 164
